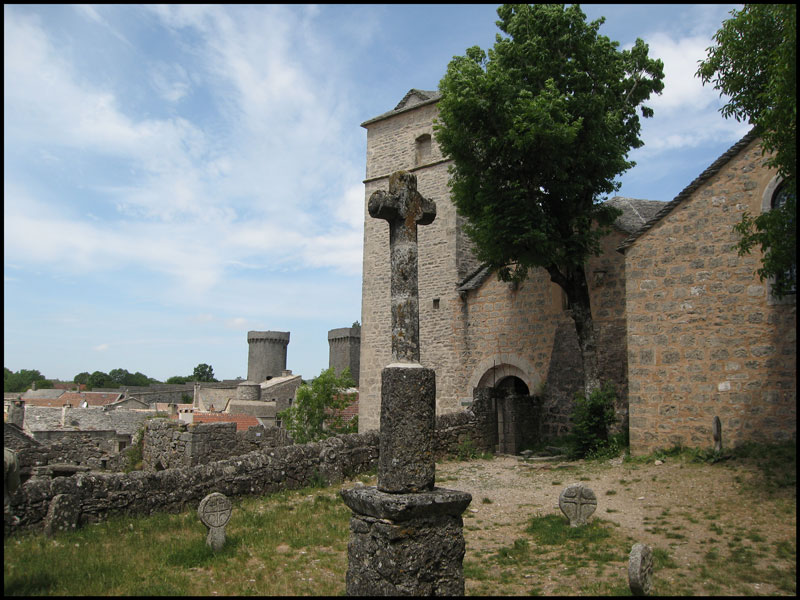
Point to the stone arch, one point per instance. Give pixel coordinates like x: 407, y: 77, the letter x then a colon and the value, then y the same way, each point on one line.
x: 769, y: 192
x: 495, y: 368
x: 422, y: 147
x: 767, y: 199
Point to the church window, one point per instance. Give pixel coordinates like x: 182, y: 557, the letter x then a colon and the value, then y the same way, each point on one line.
x: 775, y: 195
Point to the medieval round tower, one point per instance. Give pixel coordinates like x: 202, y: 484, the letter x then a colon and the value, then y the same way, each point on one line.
x: 267, y: 354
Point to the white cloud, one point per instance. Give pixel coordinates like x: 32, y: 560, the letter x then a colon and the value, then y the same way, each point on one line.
x: 681, y: 88
x: 100, y: 348
x: 274, y: 189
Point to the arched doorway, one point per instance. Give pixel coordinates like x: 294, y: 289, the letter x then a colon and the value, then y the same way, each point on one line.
x: 513, y: 385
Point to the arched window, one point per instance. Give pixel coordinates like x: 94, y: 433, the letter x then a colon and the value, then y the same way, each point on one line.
x: 423, y: 147
x: 775, y: 195
x: 779, y: 198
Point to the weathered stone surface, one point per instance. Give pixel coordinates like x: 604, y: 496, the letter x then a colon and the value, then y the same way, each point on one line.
x: 416, y: 557
x: 373, y: 502
x: 408, y: 419
x: 260, y: 472
x: 640, y: 570
x: 215, y: 512
x: 62, y: 515
x: 577, y: 502
x: 716, y: 433
x: 404, y: 208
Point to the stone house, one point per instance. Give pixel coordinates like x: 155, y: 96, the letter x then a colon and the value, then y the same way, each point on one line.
x: 479, y: 332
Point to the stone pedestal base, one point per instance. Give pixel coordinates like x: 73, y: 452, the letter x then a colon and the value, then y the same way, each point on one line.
x: 408, y: 427
x: 405, y: 544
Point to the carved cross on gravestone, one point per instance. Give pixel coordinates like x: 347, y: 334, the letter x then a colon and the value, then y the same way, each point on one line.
x: 215, y: 512
x: 404, y: 208
x: 577, y: 502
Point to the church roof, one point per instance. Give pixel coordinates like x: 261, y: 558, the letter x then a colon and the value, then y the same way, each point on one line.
x: 712, y: 170
x: 635, y: 213
x: 412, y: 99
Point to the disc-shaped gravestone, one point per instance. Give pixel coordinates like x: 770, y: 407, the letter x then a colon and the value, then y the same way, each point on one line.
x: 215, y: 512
x: 577, y: 502
x: 640, y: 570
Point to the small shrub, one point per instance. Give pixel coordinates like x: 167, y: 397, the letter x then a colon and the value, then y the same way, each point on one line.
x: 591, y: 419
x: 467, y: 450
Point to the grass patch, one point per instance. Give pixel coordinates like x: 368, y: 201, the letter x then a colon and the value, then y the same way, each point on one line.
x: 269, y: 540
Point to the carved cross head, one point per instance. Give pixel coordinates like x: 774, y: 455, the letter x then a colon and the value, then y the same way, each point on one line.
x: 403, y: 203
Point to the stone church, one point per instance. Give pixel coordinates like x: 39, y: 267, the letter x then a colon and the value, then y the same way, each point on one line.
x: 686, y: 331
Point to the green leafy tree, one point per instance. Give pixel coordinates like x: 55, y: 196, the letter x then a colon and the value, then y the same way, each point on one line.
x: 537, y: 131
x: 203, y: 372
x: 99, y: 379
x: 754, y: 63
x: 119, y: 376
x: 81, y: 378
x: 177, y: 379
x: 23, y: 380
x: 312, y: 415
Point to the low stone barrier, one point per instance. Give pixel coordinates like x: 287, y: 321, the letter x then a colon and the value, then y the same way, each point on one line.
x: 261, y: 472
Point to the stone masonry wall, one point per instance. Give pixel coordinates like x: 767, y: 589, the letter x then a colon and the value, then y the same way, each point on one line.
x: 495, y: 326
x: 173, y: 444
x: 527, y: 328
x: 391, y: 147
x: 704, y: 339
x: 259, y: 472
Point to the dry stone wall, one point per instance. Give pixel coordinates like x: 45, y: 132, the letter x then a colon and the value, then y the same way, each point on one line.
x: 260, y: 472
x: 171, y: 444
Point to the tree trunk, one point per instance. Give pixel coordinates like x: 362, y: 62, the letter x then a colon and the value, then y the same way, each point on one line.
x: 574, y: 285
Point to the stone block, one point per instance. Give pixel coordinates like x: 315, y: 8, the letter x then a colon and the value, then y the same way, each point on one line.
x: 405, y: 544
x: 408, y: 419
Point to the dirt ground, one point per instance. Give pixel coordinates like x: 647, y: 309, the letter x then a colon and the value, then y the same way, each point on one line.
x: 713, y: 506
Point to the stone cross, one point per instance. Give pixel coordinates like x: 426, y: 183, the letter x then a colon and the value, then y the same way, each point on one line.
x: 404, y: 208
x: 215, y: 512
x: 577, y: 502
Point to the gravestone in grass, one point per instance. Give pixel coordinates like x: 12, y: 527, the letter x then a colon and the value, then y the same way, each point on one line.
x: 406, y: 535
x: 577, y: 502
x: 62, y: 514
x: 640, y: 570
x: 215, y: 512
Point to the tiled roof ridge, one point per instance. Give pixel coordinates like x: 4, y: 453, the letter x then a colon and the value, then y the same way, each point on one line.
x: 713, y: 169
x: 431, y: 96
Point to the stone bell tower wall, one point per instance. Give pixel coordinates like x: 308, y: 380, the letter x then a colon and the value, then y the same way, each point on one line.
x: 403, y: 140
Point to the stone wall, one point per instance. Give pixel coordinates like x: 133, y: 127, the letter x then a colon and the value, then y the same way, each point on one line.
x: 259, y: 472
x: 173, y: 444
x: 391, y: 146
x: 92, y: 449
x: 172, y: 490
x: 704, y: 337
x: 470, y: 336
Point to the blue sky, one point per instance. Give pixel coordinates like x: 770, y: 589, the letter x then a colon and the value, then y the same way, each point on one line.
x: 175, y: 176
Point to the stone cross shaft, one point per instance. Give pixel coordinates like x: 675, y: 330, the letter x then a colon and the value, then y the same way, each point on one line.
x: 404, y: 208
